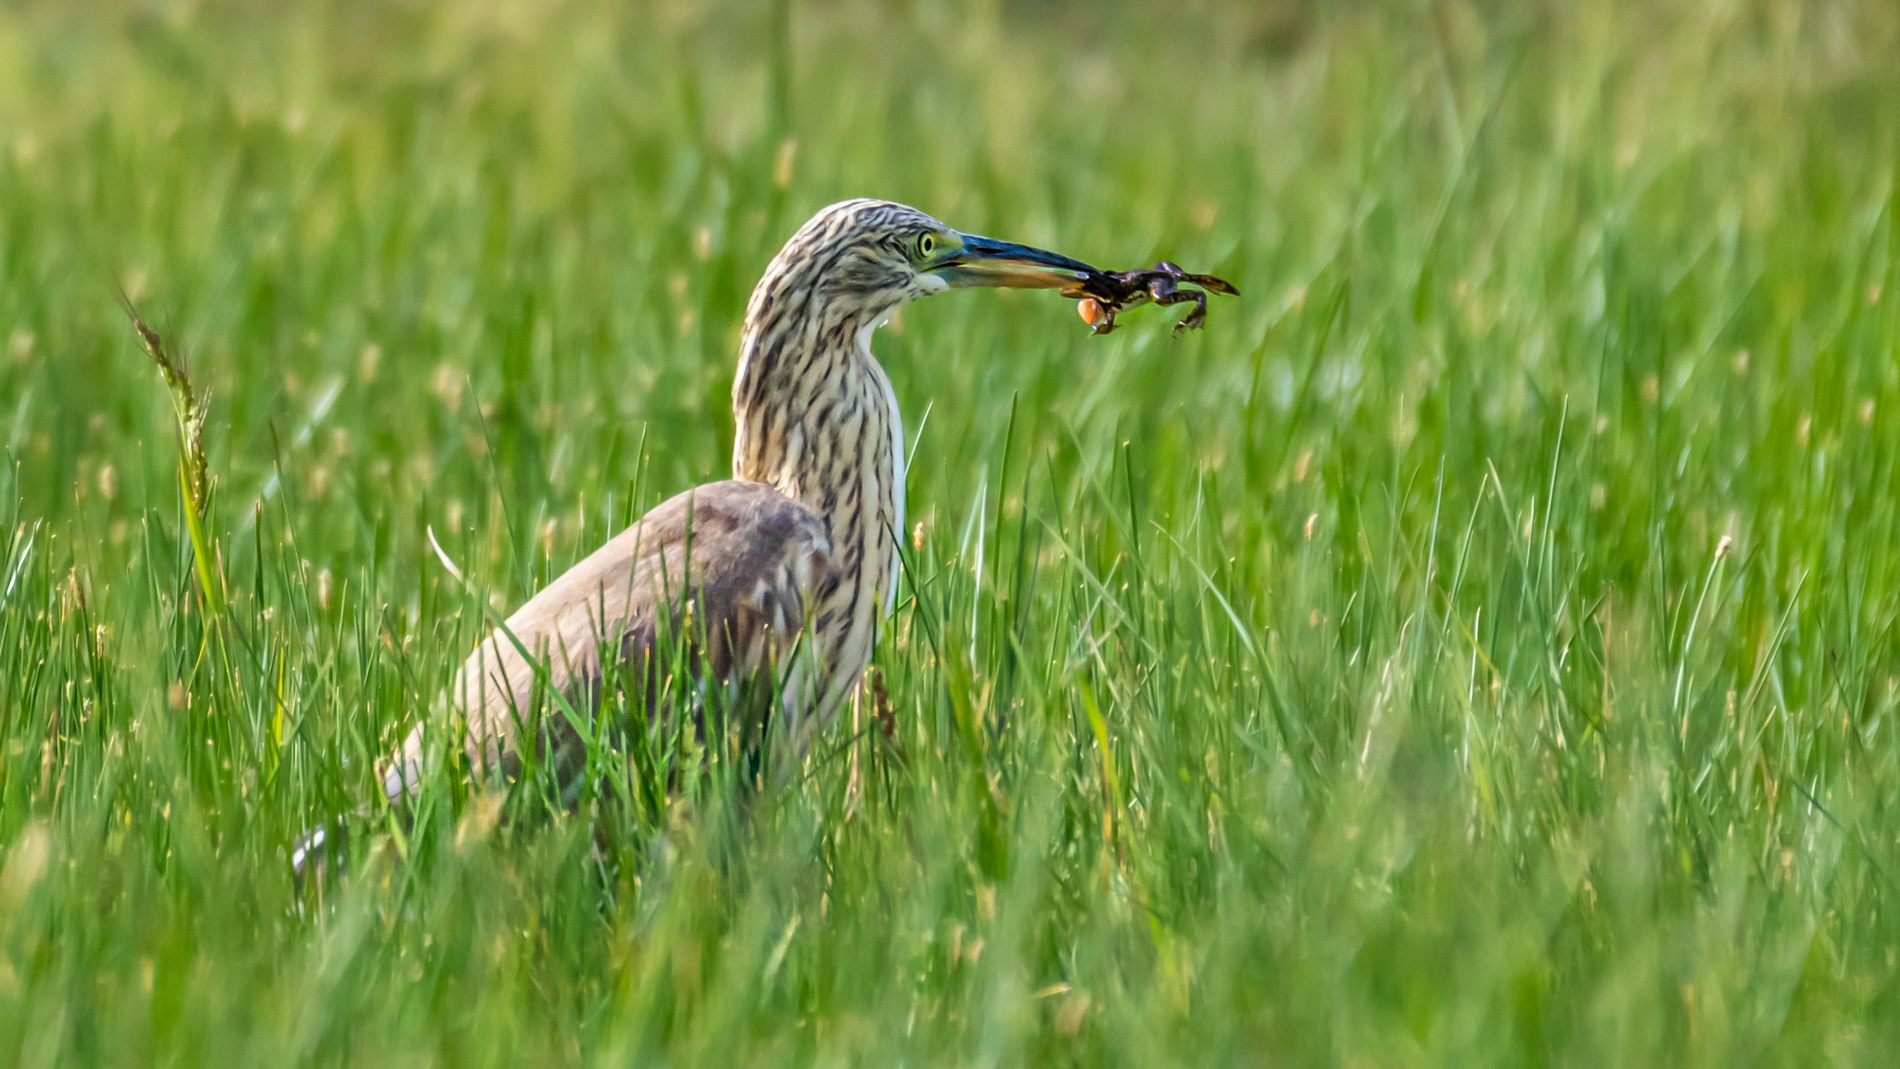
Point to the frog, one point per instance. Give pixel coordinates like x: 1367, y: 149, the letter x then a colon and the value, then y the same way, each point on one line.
x: 1105, y: 294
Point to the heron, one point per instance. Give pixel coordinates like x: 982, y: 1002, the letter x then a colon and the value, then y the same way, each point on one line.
x: 775, y: 581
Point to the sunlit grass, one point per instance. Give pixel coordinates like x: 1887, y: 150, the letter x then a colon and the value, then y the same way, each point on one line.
x: 1477, y: 646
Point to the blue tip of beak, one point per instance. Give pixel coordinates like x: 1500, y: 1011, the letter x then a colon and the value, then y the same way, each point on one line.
x: 989, y: 262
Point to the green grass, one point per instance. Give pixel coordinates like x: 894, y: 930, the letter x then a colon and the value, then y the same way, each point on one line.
x: 1477, y: 647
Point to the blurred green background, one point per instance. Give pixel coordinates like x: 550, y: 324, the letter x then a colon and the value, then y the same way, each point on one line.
x: 1476, y: 647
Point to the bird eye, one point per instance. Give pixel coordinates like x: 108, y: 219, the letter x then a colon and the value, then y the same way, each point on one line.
x: 926, y: 245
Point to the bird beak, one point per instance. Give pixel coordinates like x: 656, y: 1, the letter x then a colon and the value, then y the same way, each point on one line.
x: 982, y: 261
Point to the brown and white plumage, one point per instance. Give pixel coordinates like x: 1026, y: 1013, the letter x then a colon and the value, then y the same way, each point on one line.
x: 722, y: 571
x: 793, y: 562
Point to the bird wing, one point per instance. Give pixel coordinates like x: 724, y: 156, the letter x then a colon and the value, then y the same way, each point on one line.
x: 721, y: 573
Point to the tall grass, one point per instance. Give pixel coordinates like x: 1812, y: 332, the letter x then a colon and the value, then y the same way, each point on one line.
x: 1475, y: 647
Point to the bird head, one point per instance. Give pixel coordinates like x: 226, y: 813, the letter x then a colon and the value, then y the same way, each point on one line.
x: 870, y: 256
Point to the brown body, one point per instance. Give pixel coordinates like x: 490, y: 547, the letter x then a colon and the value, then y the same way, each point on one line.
x: 722, y: 573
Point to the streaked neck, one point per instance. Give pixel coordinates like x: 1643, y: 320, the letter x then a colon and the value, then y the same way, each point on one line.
x: 816, y: 419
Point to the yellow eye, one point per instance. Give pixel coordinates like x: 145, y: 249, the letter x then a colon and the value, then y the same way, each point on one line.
x: 926, y: 245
